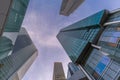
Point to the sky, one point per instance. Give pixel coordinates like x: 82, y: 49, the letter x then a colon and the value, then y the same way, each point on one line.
x: 43, y: 22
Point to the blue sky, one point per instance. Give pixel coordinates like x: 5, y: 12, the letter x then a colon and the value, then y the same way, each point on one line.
x: 43, y: 22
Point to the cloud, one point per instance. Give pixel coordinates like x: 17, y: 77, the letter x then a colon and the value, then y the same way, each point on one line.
x: 45, y: 40
x: 43, y: 22
x: 43, y: 33
x: 39, y: 31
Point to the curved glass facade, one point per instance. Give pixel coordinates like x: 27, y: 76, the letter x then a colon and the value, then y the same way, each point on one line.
x: 102, y: 61
x: 104, y: 64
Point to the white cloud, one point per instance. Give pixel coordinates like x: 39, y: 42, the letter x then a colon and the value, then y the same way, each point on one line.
x: 39, y: 31
x: 45, y: 40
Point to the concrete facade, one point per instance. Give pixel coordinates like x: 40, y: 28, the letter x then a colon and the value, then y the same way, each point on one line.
x: 69, y: 6
x: 58, y: 73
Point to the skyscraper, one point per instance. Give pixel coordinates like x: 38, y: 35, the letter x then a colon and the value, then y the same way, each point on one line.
x: 17, y: 51
x: 23, y: 55
x: 12, y: 13
x: 93, y: 44
x: 69, y: 6
x: 58, y: 73
x: 77, y: 38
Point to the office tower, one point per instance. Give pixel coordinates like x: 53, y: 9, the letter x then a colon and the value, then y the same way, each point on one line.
x: 12, y: 13
x: 69, y: 6
x: 75, y: 73
x: 58, y: 73
x: 17, y: 52
x: 23, y: 54
x: 77, y: 38
x: 93, y: 43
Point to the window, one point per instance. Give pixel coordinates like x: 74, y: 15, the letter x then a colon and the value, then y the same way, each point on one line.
x: 109, y: 39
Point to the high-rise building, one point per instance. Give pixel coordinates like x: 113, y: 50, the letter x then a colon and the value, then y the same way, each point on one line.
x: 58, y: 73
x: 17, y: 51
x: 12, y: 13
x: 69, y: 6
x: 93, y: 44
x: 77, y: 38
x: 23, y: 54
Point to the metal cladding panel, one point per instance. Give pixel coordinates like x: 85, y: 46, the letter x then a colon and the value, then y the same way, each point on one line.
x: 16, y: 15
x: 91, y: 21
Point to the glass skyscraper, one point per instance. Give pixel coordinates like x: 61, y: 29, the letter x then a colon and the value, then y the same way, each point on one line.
x: 23, y: 55
x: 12, y: 13
x: 77, y: 37
x: 17, y: 51
x: 94, y: 44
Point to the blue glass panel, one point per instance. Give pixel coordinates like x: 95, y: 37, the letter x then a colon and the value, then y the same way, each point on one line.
x: 102, y: 64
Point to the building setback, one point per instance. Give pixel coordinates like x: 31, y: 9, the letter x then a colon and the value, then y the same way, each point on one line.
x: 58, y: 73
x: 94, y: 44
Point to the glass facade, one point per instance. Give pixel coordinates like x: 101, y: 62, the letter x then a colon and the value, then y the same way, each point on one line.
x: 17, y: 51
x: 15, y: 15
x: 76, y: 37
x: 22, y: 51
x: 102, y: 67
x: 91, y: 21
x: 97, y: 63
x: 104, y: 64
x: 101, y: 63
x: 76, y: 48
x: 5, y: 46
